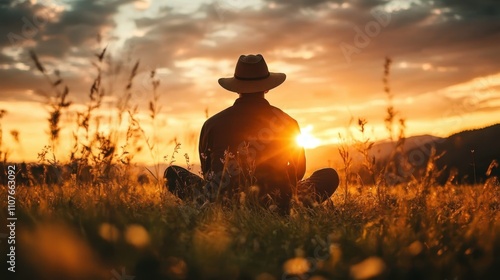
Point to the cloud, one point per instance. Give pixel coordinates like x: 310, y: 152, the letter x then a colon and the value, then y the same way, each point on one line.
x: 480, y: 9
x: 60, y: 35
x: 14, y: 16
x: 79, y: 26
x: 302, y: 33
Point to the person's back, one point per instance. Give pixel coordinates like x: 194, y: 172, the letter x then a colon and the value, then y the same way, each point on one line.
x: 252, y: 143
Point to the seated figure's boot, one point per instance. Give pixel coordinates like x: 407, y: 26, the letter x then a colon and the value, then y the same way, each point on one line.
x: 319, y: 187
x: 172, y: 182
x: 182, y: 183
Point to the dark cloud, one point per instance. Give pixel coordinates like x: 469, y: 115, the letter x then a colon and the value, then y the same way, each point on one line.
x: 79, y: 26
x: 57, y: 38
x: 169, y: 36
x: 471, y: 9
x: 19, y: 22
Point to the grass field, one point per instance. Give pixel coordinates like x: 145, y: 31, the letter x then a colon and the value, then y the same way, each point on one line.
x: 98, y: 224
x: 131, y: 232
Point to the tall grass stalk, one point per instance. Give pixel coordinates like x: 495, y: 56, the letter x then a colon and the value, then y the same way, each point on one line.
x: 57, y: 101
x: 4, y: 152
x: 347, y: 161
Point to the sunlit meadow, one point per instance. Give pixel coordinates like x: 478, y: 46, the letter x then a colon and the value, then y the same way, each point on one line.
x: 101, y: 216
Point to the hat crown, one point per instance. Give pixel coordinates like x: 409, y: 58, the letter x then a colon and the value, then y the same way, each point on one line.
x: 252, y: 75
x: 251, y: 67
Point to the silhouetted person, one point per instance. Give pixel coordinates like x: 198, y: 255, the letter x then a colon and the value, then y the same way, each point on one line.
x: 251, y: 147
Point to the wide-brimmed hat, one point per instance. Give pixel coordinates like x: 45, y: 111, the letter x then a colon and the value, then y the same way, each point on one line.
x: 251, y: 75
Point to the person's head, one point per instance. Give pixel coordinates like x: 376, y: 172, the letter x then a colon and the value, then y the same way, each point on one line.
x: 259, y: 94
x: 251, y: 76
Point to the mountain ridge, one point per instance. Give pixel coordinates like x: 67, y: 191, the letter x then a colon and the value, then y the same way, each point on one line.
x: 466, y: 155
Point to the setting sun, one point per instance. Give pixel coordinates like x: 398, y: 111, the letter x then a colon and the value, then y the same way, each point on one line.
x: 306, y: 139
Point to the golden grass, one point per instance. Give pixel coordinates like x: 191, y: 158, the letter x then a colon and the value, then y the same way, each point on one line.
x: 101, y: 223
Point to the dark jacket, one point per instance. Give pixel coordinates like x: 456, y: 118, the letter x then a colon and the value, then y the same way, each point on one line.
x: 252, y: 143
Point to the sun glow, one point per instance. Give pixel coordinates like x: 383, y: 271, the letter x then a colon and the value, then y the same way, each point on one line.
x: 306, y: 139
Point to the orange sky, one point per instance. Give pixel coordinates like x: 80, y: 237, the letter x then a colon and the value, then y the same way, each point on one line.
x: 445, y: 75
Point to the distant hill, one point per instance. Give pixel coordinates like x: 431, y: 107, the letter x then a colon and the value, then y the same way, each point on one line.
x: 329, y: 155
x: 457, y: 156
x: 470, y: 152
x: 384, y: 149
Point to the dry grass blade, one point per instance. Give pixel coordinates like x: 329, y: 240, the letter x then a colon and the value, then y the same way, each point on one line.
x: 132, y: 75
x: 101, y: 55
x: 95, y: 88
x: 134, y: 70
x: 63, y: 103
x: 38, y: 65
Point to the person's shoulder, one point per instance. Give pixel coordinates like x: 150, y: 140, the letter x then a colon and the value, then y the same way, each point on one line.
x: 282, y: 114
x: 218, y: 116
x: 277, y: 110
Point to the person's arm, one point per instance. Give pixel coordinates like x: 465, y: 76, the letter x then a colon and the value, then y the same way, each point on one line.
x: 297, y: 156
x: 301, y: 164
x: 203, y: 150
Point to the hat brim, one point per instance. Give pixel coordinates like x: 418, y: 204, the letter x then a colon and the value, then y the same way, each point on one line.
x: 249, y: 86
